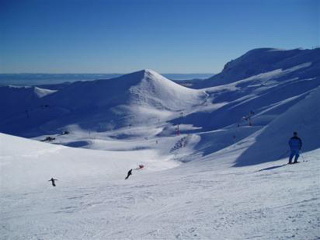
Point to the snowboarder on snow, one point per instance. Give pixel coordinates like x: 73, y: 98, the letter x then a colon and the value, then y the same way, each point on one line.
x: 295, y: 144
x: 53, y: 181
x: 129, y: 174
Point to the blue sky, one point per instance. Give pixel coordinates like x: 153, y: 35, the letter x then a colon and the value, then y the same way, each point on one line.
x: 168, y: 36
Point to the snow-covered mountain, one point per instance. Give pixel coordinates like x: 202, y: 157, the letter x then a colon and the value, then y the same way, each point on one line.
x: 142, y: 97
x: 275, y: 63
x: 214, y: 158
x: 291, y: 76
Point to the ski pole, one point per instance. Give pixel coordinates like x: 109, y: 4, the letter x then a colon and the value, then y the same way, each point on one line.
x: 303, y: 159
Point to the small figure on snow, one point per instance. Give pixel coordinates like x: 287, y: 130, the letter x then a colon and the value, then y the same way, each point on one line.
x: 178, y: 130
x: 48, y: 139
x: 53, y: 181
x: 295, y: 144
x: 129, y: 174
x: 141, y: 166
x: 248, y: 118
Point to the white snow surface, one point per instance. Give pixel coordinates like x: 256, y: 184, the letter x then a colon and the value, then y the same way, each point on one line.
x: 41, y: 92
x: 208, y: 173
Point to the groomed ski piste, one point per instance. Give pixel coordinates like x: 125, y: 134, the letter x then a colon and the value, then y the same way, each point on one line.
x: 215, y: 155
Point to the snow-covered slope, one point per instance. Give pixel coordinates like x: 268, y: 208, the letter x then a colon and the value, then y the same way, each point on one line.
x: 214, y: 158
x: 290, y: 76
x: 297, y: 63
x: 204, y: 199
x: 134, y: 99
x: 269, y: 144
x: 26, y: 164
x: 143, y: 87
x: 40, y: 92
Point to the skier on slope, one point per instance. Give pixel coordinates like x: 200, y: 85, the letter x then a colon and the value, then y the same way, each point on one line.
x: 129, y: 174
x: 295, y: 144
x: 53, y: 181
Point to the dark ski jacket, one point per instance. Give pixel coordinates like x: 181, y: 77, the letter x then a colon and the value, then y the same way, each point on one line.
x: 53, y: 181
x: 295, y: 143
x: 129, y: 174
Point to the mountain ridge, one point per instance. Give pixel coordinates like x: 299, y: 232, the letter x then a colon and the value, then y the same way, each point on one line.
x: 126, y: 100
x: 263, y: 60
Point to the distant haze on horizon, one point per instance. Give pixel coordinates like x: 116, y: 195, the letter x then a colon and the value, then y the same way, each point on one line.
x: 168, y: 36
x: 32, y: 79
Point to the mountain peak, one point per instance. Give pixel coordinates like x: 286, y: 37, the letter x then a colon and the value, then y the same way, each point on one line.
x: 142, y: 74
x: 263, y: 60
x: 147, y: 72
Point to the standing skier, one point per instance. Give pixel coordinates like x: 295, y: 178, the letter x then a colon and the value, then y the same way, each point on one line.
x: 129, y: 174
x: 53, y: 181
x: 295, y: 144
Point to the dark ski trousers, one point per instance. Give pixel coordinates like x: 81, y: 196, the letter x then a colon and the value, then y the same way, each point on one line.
x: 294, y: 153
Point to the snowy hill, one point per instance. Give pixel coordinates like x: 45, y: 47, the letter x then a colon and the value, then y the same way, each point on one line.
x: 214, y: 158
x: 256, y: 103
x: 303, y: 116
x: 138, y: 98
x: 252, y: 92
x: 297, y: 63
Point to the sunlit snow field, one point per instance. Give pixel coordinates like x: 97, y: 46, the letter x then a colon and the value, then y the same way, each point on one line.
x: 214, y: 155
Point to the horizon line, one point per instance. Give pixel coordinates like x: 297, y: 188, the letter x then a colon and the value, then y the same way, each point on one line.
x: 98, y: 73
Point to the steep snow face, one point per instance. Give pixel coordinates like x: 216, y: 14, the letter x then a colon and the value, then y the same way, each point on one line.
x: 265, y: 60
x: 144, y: 87
x: 161, y: 93
x: 231, y: 104
x: 303, y: 117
